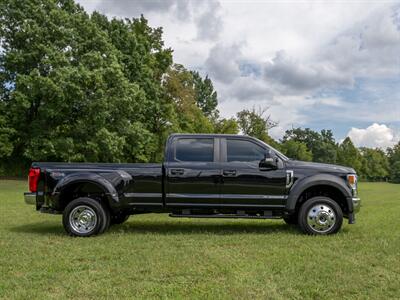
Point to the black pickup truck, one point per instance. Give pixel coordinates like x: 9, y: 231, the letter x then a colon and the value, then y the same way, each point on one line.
x: 203, y: 176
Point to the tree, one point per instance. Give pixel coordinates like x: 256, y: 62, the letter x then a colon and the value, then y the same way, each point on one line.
x: 68, y: 97
x: 394, y: 162
x: 145, y: 61
x: 394, y: 153
x: 395, y: 172
x: 180, y: 91
x: 226, y: 126
x: 253, y: 123
x: 348, y: 155
x: 375, y: 165
x: 6, y: 145
x: 76, y: 87
x: 205, y: 95
x: 321, y: 145
x: 296, y: 150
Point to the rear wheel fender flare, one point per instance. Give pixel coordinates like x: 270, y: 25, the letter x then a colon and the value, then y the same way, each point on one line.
x: 75, y: 179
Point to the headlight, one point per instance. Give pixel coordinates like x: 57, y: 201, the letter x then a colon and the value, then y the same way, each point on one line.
x: 352, y: 181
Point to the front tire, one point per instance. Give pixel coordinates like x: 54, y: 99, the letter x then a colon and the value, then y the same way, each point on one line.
x: 320, y: 216
x: 85, y: 217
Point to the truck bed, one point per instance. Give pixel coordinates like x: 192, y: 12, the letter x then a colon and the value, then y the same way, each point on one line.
x: 127, y: 185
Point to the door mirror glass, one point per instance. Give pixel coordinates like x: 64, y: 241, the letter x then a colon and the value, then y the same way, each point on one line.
x: 270, y: 161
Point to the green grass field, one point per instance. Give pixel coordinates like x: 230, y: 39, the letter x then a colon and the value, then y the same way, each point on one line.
x: 154, y: 256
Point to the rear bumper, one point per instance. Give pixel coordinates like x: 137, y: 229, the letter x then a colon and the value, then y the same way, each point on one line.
x: 30, y: 198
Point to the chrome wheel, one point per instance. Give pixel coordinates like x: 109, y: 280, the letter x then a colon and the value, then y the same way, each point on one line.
x: 83, y: 219
x: 321, y: 218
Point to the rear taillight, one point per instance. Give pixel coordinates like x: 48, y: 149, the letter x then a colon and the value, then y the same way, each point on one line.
x: 34, y: 174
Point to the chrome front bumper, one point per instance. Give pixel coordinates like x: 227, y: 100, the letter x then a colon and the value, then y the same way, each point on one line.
x: 30, y: 198
x: 356, y: 204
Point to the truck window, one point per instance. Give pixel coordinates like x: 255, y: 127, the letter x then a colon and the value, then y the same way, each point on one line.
x: 240, y: 150
x: 189, y: 149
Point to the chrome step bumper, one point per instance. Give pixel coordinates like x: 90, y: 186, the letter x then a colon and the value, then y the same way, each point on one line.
x: 30, y: 198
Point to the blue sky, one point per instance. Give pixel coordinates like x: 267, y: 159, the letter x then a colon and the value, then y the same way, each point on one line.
x: 332, y: 65
x: 363, y: 106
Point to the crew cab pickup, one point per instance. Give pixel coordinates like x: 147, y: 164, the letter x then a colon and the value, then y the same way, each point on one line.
x: 203, y: 176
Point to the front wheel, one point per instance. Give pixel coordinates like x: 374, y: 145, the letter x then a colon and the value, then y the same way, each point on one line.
x: 85, y: 217
x: 320, y: 216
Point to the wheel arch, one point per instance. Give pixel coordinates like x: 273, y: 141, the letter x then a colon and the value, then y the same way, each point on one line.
x: 320, y: 185
x: 85, y: 185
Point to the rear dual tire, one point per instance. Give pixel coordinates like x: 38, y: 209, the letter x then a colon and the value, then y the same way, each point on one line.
x: 85, y: 217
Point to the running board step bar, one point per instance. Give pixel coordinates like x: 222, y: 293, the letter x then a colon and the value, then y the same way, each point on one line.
x: 222, y: 216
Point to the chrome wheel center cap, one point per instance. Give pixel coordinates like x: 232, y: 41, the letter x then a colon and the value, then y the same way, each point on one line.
x: 83, y: 219
x: 321, y: 218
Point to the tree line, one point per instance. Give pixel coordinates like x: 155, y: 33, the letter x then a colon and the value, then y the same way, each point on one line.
x: 309, y: 145
x: 80, y: 87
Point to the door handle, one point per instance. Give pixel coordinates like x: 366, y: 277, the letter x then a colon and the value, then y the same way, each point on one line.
x: 177, y: 171
x: 229, y: 172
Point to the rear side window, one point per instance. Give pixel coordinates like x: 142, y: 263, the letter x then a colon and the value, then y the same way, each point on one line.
x: 201, y: 150
x: 240, y: 150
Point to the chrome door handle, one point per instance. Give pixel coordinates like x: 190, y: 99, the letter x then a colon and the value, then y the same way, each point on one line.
x: 229, y: 172
x: 177, y: 171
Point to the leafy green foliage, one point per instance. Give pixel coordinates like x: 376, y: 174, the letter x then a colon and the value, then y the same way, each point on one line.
x: 375, y: 164
x: 205, y: 95
x: 321, y: 145
x: 395, y: 172
x: 296, y: 150
x: 370, y: 164
x: 348, y: 155
x: 226, y: 126
x: 254, y: 123
x: 76, y: 87
x: 79, y: 87
x: 72, y: 100
x: 6, y: 146
x: 394, y: 162
x: 181, y: 93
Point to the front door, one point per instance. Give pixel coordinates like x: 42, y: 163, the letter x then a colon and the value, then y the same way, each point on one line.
x: 244, y: 183
x: 193, y: 173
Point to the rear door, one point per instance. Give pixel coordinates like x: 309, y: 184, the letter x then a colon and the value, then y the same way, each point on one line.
x: 193, y: 172
x: 246, y: 184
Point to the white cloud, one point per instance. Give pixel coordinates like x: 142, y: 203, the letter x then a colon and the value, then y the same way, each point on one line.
x: 222, y: 63
x: 250, y: 88
x: 293, y: 76
x: 203, y: 16
x: 374, y: 136
x: 368, y: 48
x: 330, y: 101
x: 333, y: 63
x: 209, y: 23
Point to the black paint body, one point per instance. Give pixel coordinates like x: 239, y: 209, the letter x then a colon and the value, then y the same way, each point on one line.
x: 175, y: 185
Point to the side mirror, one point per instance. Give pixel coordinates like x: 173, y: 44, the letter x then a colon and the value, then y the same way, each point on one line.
x: 270, y: 161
